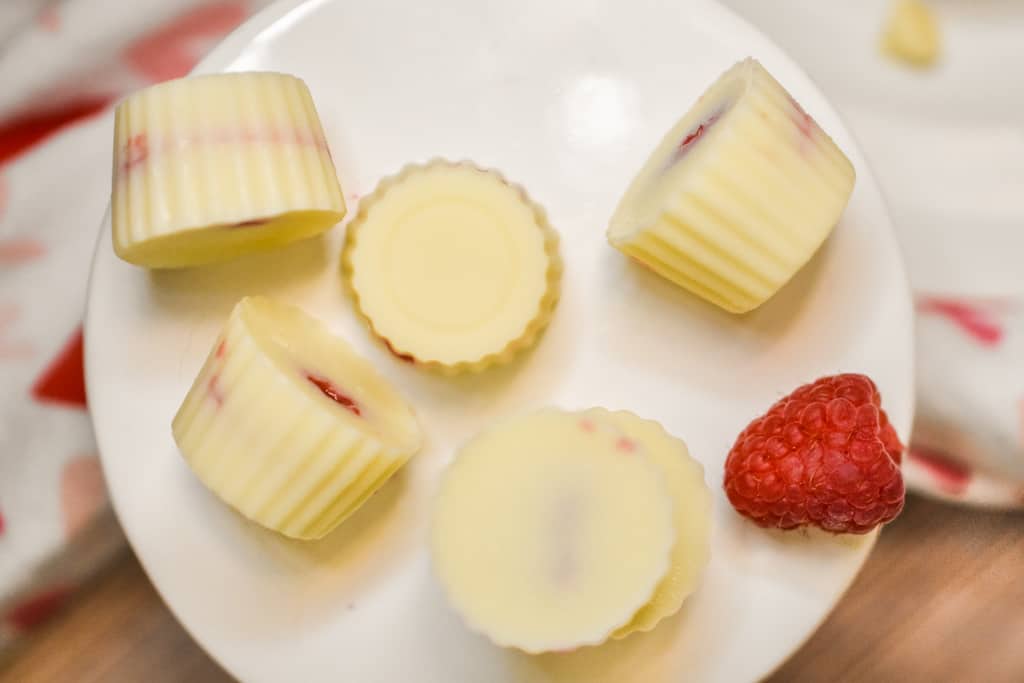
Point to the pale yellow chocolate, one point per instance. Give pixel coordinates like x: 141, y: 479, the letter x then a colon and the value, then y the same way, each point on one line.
x: 692, y: 509
x: 452, y: 266
x: 551, y: 530
x: 911, y: 33
x: 738, y: 195
x: 286, y: 424
x: 209, y: 168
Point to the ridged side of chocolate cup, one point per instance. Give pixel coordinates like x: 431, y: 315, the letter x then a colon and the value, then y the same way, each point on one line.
x: 734, y: 215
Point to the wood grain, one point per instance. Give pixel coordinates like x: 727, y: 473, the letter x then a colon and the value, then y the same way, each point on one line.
x: 941, y: 599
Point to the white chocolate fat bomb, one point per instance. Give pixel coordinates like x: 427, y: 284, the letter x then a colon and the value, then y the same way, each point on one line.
x: 550, y: 531
x: 691, y: 500
x: 738, y: 195
x: 452, y: 266
x: 911, y: 33
x: 286, y: 424
x: 208, y: 168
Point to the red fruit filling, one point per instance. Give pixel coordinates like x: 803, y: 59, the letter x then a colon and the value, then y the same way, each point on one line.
x: 694, y: 136
x: 250, y: 223
x: 136, y: 151
x: 408, y: 358
x: 332, y: 392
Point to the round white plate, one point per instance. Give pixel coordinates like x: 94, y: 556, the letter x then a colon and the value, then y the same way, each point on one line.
x: 948, y: 144
x: 568, y: 100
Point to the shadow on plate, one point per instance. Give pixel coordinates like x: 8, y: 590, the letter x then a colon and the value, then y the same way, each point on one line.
x: 717, y: 346
x: 311, y: 580
x: 210, y: 291
x: 640, y: 657
x: 349, y: 545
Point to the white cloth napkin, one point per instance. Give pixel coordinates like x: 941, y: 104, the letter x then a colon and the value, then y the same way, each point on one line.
x: 55, y: 525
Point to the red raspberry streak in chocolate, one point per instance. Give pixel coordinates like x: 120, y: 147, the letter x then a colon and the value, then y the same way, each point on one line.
x: 823, y: 456
x: 214, y: 390
x: 136, y: 151
x: 332, y: 392
x: 213, y: 384
x: 250, y: 223
x: 408, y: 358
x: 805, y: 125
x: 625, y: 445
x: 695, y: 135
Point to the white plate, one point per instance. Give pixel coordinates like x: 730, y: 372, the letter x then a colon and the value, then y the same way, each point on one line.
x: 568, y: 101
x: 948, y: 145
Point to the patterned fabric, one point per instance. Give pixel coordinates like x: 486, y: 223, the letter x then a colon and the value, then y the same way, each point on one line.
x: 66, y: 61
x: 968, y: 439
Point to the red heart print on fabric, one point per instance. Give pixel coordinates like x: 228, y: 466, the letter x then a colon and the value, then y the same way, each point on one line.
x: 173, y: 49
x: 82, y: 492
x: 38, y: 608
x: 63, y: 381
x: 950, y: 476
x: 20, y: 250
x: 49, y: 19
x: 974, y: 318
x: 11, y: 349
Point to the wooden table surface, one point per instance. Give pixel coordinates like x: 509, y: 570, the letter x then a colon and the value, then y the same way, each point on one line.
x: 941, y: 599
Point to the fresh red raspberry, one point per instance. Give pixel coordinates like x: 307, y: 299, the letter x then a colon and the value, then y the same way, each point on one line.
x: 825, y: 455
